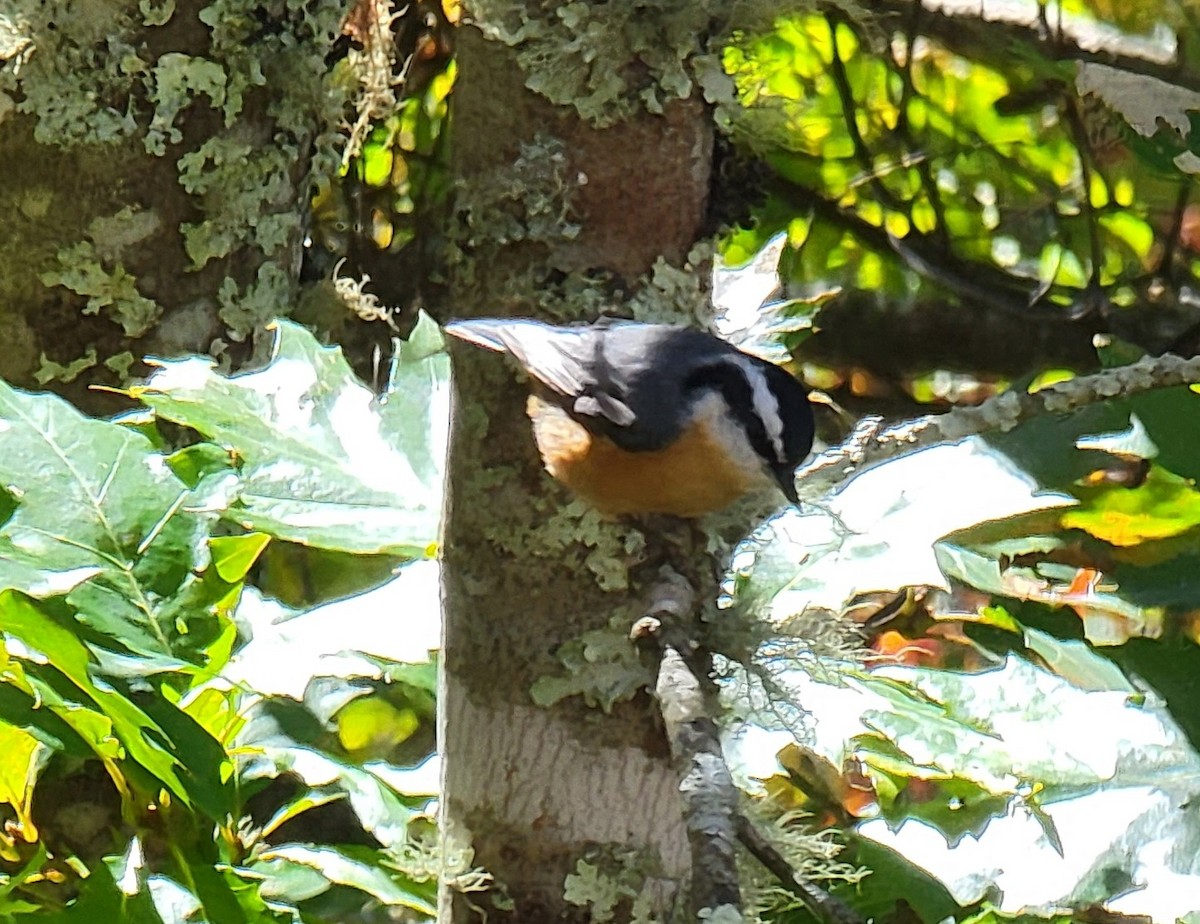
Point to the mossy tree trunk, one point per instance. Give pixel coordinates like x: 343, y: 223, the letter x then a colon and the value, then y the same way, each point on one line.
x: 157, y: 159
x: 557, y: 218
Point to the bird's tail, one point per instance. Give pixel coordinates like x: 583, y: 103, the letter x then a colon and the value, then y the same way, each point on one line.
x: 500, y: 334
x: 553, y: 355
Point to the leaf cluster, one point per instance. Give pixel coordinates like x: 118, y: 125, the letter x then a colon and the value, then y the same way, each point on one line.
x: 145, y: 774
x: 973, y: 169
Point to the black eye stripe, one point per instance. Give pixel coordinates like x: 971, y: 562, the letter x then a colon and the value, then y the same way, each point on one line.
x: 731, y: 382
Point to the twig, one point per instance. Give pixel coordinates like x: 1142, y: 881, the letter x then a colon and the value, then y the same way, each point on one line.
x: 976, y: 283
x: 706, y: 785
x: 1088, y: 167
x: 820, y: 904
x: 904, y: 129
x: 871, y: 443
x: 837, y: 70
x: 1171, y: 240
x: 1004, y: 26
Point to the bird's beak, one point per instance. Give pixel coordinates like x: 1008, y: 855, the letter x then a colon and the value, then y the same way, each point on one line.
x: 785, y: 476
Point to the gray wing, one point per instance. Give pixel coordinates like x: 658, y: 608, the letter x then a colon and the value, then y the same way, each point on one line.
x: 561, y: 358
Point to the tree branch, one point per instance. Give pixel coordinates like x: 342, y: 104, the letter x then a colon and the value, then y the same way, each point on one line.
x: 974, y: 282
x: 820, y: 904
x: 837, y: 70
x: 990, y: 24
x: 706, y: 785
x: 871, y: 443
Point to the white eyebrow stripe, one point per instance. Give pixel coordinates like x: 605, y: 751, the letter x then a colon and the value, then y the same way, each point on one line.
x: 765, y: 404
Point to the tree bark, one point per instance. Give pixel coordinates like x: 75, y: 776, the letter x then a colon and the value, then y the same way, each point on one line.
x: 555, y: 216
x: 157, y: 158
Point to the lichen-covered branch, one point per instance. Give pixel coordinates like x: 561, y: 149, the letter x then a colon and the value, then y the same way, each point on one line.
x: 706, y: 786
x: 872, y: 443
x: 709, y: 796
x: 823, y: 906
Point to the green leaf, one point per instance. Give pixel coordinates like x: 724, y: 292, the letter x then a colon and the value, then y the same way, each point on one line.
x: 1132, y: 441
x: 320, y: 463
x: 883, y: 530
x: 102, y: 710
x: 992, y: 915
x: 128, y: 890
x: 1077, y: 662
x: 100, y: 517
x: 1102, y: 778
x: 895, y: 882
x: 372, y: 724
x: 22, y: 757
x: 376, y: 162
x: 1165, y: 505
x: 192, y: 463
x: 416, y: 405
x: 289, y: 870
x: 115, y: 892
x: 297, y: 807
x: 1051, y: 750
x: 952, y: 803
x: 32, y: 870
x: 379, y: 809
x: 1133, y: 231
x: 216, y: 711
x: 233, y: 556
x: 22, y: 706
x: 208, y: 773
x: 1113, y: 351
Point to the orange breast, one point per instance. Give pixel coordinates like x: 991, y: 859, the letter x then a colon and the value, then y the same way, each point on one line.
x: 692, y: 477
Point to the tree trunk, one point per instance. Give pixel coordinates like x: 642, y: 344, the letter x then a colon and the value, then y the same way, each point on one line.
x: 556, y: 218
x: 157, y: 159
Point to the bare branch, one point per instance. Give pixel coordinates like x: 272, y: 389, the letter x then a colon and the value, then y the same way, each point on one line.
x: 871, y: 443
x: 999, y: 24
x: 837, y: 70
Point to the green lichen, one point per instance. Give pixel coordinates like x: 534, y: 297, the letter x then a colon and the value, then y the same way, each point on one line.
x: 50, y: 371
x: 612, y: 547
x: 114, y: 235
x: 528, y: 200
x: 290, y: 59
x: 614, y: 880
x: 606, y: 60
x: 87, y: 73
x: 531, y: 201
x: 722, y: 914
x: 813, y: 852
x: 602, y: 666
x: 608, y: 548
x: 81, y: 270
x: 35, y: 201
x: 719, y: 90
x: 244, y: 311
x: 77, y: 64
x: 677, y: 294
x: 177, y: 79
x: 156, y: 13
x: 241, y: 187
x: 668, y: 294
x: 121, y: 364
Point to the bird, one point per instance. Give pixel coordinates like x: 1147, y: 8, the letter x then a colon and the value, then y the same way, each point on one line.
x: 639, y: 418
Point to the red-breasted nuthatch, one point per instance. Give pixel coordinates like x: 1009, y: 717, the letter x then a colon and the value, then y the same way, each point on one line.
x: 650, y: 418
